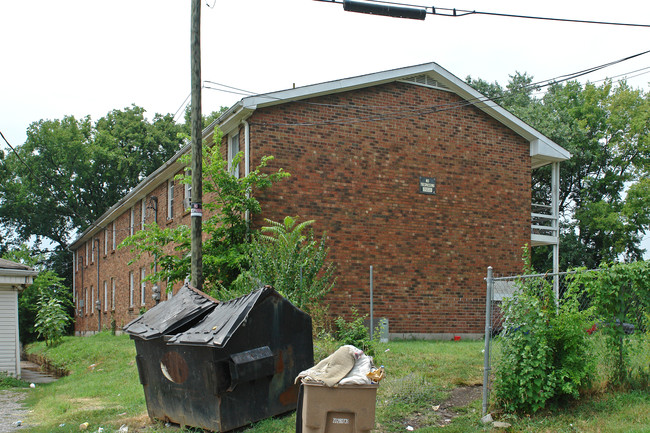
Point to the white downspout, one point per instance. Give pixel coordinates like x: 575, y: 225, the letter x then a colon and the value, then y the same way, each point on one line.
x: 247, y: 158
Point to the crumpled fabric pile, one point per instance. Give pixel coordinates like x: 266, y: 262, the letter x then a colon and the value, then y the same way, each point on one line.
x: 348, y: 365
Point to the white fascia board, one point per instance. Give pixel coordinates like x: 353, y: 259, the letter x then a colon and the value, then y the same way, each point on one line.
x: 14, y: 277
x: 336, y: 86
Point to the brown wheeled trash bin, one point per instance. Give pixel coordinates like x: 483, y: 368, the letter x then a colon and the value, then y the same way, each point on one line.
x: 340, y: 409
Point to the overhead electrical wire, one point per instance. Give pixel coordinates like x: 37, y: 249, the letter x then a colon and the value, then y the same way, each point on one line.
x: 457, y: 13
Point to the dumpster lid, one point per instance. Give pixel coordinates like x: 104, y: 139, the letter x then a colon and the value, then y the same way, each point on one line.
x: 222, y: 322
x: 188, y: 304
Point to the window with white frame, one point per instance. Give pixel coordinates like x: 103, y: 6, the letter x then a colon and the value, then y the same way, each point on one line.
x: 132, y: 220
x: 76, y: 260
x: 187, y: 194
x: 233, y: 150
x: 92, y: 298
x: 143, y: 212
x: 92, y: 251
x: 143, y: 287
x: 86, y: 253
x: 105, y: 295
x: 105, y: 240
x: 131, y: 288
x: 114, y: 235
x: 112, y: 294
x: 170, y: 199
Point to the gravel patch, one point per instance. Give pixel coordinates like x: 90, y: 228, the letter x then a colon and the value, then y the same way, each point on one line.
x: 12, y: 410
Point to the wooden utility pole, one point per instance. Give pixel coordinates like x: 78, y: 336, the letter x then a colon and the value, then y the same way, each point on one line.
x: 196, y: 131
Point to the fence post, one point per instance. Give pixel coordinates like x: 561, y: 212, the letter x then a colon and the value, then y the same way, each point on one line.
x: 371, y: 306
x: 488, y: 333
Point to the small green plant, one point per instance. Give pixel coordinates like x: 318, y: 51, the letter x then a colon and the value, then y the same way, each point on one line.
x: 51, y: 320
x: 618, y: 294
x: 355, y: 333
x: 7, y: 381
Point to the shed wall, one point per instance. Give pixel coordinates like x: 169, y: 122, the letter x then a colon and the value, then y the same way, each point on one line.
x: 9, y: 346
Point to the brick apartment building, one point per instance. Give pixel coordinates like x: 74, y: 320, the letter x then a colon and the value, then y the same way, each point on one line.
x: 410, y: 171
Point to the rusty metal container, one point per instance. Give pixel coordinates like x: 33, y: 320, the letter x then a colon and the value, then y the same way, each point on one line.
x: 235, y: 366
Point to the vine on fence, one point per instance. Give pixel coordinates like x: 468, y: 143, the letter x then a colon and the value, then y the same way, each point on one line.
x: 619, y: 296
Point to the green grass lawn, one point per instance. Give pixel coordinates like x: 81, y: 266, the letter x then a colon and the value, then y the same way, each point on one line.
x: 103, y: 389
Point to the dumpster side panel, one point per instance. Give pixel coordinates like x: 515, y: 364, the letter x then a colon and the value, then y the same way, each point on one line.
x: 175, y: 388
x: 287, y: 331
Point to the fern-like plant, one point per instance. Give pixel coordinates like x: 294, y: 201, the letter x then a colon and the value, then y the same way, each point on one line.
x: 288, y: 257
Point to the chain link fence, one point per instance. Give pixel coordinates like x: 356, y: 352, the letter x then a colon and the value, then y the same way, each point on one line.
x: 499, y: 288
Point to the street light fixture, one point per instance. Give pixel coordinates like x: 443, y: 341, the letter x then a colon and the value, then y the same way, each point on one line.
x: 385, y: 9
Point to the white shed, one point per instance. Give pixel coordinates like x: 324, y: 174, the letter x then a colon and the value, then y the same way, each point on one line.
x: 14, y: 277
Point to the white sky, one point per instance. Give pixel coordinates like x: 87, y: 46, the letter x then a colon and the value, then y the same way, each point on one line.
x: 87, y: 57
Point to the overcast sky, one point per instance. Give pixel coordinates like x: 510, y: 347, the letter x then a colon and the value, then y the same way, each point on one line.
x: 87, y: 57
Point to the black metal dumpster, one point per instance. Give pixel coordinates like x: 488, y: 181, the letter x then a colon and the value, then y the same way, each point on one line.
x: 150, y: 331
x: 235, y: 366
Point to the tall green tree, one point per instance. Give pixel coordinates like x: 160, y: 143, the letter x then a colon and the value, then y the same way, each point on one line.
x: 70, y: 171
x: 604, y: 196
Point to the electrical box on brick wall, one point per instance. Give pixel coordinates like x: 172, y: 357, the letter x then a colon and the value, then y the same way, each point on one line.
x: 427, y: 185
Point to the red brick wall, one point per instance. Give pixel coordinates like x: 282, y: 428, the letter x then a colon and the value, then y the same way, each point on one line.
x: 359, y: 181
x: 114, y: 265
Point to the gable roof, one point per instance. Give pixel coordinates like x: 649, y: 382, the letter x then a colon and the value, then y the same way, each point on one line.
x: 542, y: 149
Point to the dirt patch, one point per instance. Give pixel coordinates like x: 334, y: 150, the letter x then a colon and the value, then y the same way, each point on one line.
x: 442, y: 414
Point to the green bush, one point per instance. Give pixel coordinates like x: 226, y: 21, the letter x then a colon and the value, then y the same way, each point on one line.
x: 355, y: 333
x: 546, y: 353
x: 51, y: 320
x: 7, y: 381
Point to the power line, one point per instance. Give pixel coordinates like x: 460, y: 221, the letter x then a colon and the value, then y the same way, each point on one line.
x: 457, y: 13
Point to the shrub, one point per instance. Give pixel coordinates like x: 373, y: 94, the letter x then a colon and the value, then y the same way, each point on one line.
x: 7, y: 381
x: 51, y: 320
x: 290, y: 259
x: 354, y: 332
x: 546, y: 351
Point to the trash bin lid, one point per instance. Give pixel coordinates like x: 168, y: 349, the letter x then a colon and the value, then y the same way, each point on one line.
x: 217, y: 327
x: 187, y: 305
